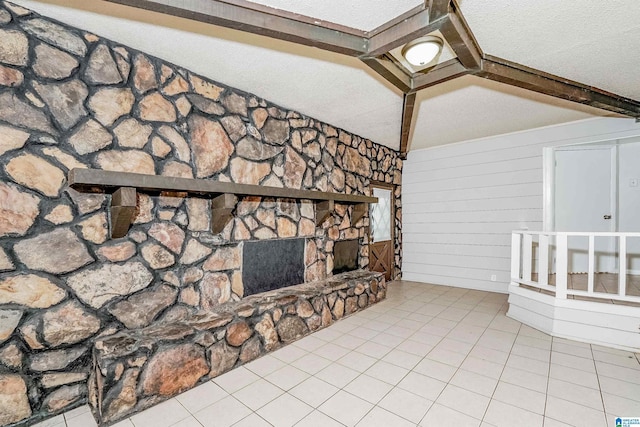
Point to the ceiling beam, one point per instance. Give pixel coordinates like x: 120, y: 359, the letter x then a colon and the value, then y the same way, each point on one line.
x: 408, y: 105
x: 518, y: 75
x: 250, y: 17
x: 437, y: 8
x: 459, y: 36
x: 441, y: 73
x: 402, y: 32
x: 390, y: 72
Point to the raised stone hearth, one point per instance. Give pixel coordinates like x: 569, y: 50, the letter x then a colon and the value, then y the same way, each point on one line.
x: 135, y: 369
x: 71, y: 99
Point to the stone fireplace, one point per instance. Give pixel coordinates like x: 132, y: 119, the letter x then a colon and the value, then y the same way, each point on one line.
x: 71, y: 99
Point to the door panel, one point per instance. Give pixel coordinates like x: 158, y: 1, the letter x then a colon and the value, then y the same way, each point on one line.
x: 381, y: 246
x: 380, y: 255
x: 584, y: 202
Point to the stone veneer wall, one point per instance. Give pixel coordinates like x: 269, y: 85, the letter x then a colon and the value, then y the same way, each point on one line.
x: 70, y: 99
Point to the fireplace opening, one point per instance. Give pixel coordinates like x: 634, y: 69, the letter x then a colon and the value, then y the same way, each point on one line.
x: 272, y: 264
x: 345, y: 255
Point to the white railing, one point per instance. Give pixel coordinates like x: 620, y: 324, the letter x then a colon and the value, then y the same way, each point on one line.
x: 533, y: 254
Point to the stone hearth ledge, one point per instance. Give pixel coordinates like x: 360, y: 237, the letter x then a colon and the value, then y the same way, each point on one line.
x: 136, y: 369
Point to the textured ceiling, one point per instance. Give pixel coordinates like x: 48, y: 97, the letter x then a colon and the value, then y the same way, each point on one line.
x: 363, y: 15
x: 589, y: 41
x: 502, y: 109
x: 593, y: 42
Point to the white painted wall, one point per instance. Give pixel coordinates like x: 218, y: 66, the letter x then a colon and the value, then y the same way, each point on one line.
x: 461, y: 201
x: 629, y: 198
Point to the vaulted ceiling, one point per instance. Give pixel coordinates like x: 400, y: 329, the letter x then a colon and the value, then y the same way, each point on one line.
x: 328, y: 59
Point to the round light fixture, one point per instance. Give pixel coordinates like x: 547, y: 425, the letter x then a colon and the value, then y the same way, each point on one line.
x: 421, y: 51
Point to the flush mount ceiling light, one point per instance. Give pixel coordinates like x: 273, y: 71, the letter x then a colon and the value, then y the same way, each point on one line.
x: 422, y: 51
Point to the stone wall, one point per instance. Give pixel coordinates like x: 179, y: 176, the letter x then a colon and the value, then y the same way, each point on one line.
x: 137, y: 369
x: 70, y: 99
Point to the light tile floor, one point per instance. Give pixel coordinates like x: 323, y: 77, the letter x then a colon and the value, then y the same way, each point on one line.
x: 426, y: 356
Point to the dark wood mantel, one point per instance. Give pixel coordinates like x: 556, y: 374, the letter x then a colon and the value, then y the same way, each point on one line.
x: 124, y: 186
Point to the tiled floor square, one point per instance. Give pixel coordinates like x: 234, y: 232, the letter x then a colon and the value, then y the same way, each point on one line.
x: 349, y: 342
x: 387, y: 372
x: 289, y: 353
x: 474, y: 382
x: 287, y: 377
x: 346, y: 408
x: 573, y: 414
x: 265, y: 365
x: 235, y: 379
x: 311, y: 363
x: 503, y: 415
x: 357, y: 361
x: 257, y: 394
x: 368, y: 388
x: 313, y: 391
x: 438, y: 413
x: 520, y: 397
x: 337, y: 375
x: 223, y: 413
x: 525, y: 379
x: 422, y: 385
x: 253, y: 420
x: 285, y: 411
x: 575, y: 393
x: 379, y: 417
x: 482, y: 367
x: 575, y: 362
x: 317, y: 419
x: 405, y: 404
x: 201, y: 396
x: 467, y: 402
x: 437, y: 370
x: 402, y: 359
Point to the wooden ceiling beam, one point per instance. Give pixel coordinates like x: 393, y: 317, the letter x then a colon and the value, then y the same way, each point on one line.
x: 441, y: 73
x: 518, y: 75
x: 437, y: 8
x: 402, y: 32
x: 459, y: 36
x: 408, y: 105
x: 390, y: 72
x: 253, y: 18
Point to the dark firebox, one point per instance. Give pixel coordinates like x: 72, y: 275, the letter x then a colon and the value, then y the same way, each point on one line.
x: 345, y: 255
x: 272, y: 264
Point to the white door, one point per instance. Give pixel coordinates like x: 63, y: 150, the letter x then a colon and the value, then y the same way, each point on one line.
x: 584, y: 200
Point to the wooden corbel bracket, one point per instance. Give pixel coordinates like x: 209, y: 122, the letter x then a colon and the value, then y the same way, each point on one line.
x: 222, y: 211
x: 123, y: 209
x: 324, y: 209
x: 359, y: 210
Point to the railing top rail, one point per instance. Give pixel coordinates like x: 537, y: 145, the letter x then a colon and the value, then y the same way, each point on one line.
x: 575, y: 233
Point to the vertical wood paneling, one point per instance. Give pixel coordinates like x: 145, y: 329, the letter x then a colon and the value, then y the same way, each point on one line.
x: 462, y: 200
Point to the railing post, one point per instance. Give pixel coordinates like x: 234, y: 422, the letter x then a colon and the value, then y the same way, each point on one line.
x: 622, y: 270
x: 515, y: 256
x: 592, y: 263
x: 527, y: 257
x: 561, y: 265
x: 543, y: 259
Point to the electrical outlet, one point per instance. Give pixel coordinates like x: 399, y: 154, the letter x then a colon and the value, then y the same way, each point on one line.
x: 494, y: 277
